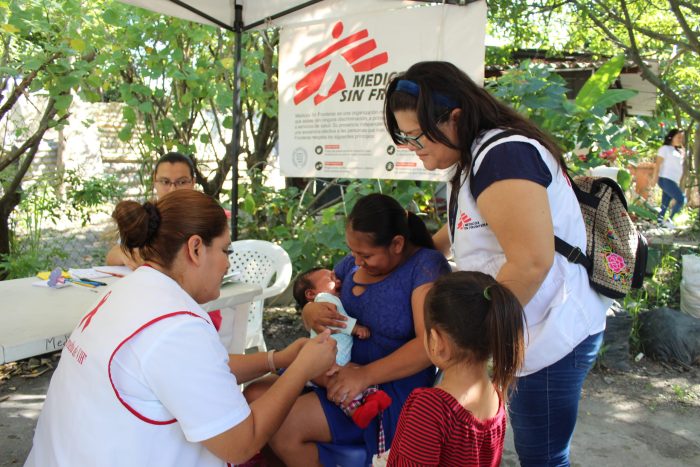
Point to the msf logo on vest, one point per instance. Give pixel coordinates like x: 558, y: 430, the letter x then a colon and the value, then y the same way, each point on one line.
x: 354, y: 52
x: 465, y: 222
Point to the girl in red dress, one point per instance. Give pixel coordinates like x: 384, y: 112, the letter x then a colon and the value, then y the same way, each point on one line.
x: 469, y: 318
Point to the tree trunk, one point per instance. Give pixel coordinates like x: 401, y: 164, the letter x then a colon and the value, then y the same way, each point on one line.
x: 11, y: 198
x: 7, y: 205
x: 13, y: 190
x: 695, y: 189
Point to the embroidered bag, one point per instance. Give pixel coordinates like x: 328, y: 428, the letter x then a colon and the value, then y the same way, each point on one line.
x: 616, y: 253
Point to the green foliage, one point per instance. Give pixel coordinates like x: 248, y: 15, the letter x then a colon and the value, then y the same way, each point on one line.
x: 47, y: 54
x: 174, y: 77
x: 643, y: 31
x: 91, y: 195
x: 541, y: 95
x: 176, y: 80
x: 283, y: 216
x: 27, y: 259
x: 662, y: 289
x: 52, y: 39
x: 641, y: 209
x: 624, y: 179
x: 596, y: 96
x: 694, y: 220
x: 659, y: 37
x: 42, y: 206
x: 585, y: 129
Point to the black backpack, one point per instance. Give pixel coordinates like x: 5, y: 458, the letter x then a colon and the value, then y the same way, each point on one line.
x: 616, y: 252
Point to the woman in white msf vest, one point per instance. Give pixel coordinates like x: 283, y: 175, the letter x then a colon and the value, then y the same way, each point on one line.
x: 143, y: 379
x: 506, y: 204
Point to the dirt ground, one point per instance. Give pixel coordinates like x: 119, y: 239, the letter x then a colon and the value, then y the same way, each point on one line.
x: 648, y: 416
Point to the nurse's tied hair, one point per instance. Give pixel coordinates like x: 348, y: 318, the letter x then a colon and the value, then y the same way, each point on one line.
x: 159, y: 229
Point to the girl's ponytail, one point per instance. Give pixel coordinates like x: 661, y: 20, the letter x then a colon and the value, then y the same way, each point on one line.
x: 483, y: 318
x: 505, y: 326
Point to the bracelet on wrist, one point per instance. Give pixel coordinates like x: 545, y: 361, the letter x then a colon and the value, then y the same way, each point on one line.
x: 271, y: 361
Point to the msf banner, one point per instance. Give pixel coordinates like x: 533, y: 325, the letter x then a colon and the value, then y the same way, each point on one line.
x: 332, y: 81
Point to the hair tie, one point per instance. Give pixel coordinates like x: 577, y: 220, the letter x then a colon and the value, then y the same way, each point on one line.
x: 412, y: 88
x: 153, y: 221
x: 487, y: 293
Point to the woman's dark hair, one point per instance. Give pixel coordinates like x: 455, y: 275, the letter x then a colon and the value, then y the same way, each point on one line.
x: 175, y: 158
x: 443, y: 87
x: 670, y: 135
x: 483, y: 318
x: 159, y: 228
x: 301, y: 284
x: 383, y: 218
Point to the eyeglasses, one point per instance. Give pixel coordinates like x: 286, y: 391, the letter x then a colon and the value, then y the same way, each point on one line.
x: 412, y: 141
x: 179, y: 183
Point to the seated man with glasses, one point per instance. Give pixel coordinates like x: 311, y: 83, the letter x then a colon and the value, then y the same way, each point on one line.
x: 173, y: 171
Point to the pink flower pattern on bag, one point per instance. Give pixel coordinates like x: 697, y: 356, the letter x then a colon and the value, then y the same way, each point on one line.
x: 616, y: 263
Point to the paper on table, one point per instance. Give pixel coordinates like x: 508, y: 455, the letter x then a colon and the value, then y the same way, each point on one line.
x: 45, y: 284
x: 88, y: 273
x: 117, y: 271
x: 65, y: 284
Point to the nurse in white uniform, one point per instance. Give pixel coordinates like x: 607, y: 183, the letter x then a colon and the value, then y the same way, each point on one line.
x: 143, y: 379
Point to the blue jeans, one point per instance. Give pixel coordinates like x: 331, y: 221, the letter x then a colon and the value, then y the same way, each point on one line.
x: 670, y: 190
x: 544, y: 406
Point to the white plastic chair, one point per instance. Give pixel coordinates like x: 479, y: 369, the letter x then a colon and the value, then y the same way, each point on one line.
x: 266, y: 264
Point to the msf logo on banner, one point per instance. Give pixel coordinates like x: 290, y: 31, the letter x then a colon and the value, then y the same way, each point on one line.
x: 326, y: 78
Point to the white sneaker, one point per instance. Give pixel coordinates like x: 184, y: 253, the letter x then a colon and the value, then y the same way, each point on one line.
x: 668, y: 224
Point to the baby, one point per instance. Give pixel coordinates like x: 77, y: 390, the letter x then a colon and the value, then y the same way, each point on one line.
x: 321, y: 285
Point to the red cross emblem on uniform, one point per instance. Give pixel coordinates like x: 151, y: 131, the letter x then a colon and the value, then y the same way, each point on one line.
x: 85, y: 322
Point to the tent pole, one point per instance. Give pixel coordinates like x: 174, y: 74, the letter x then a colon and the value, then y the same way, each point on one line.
x: 284, y: 13
x: 201, y: 14
x: 238, y: 29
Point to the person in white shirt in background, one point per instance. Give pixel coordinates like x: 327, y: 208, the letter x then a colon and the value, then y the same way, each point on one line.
x: 667, y: 173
